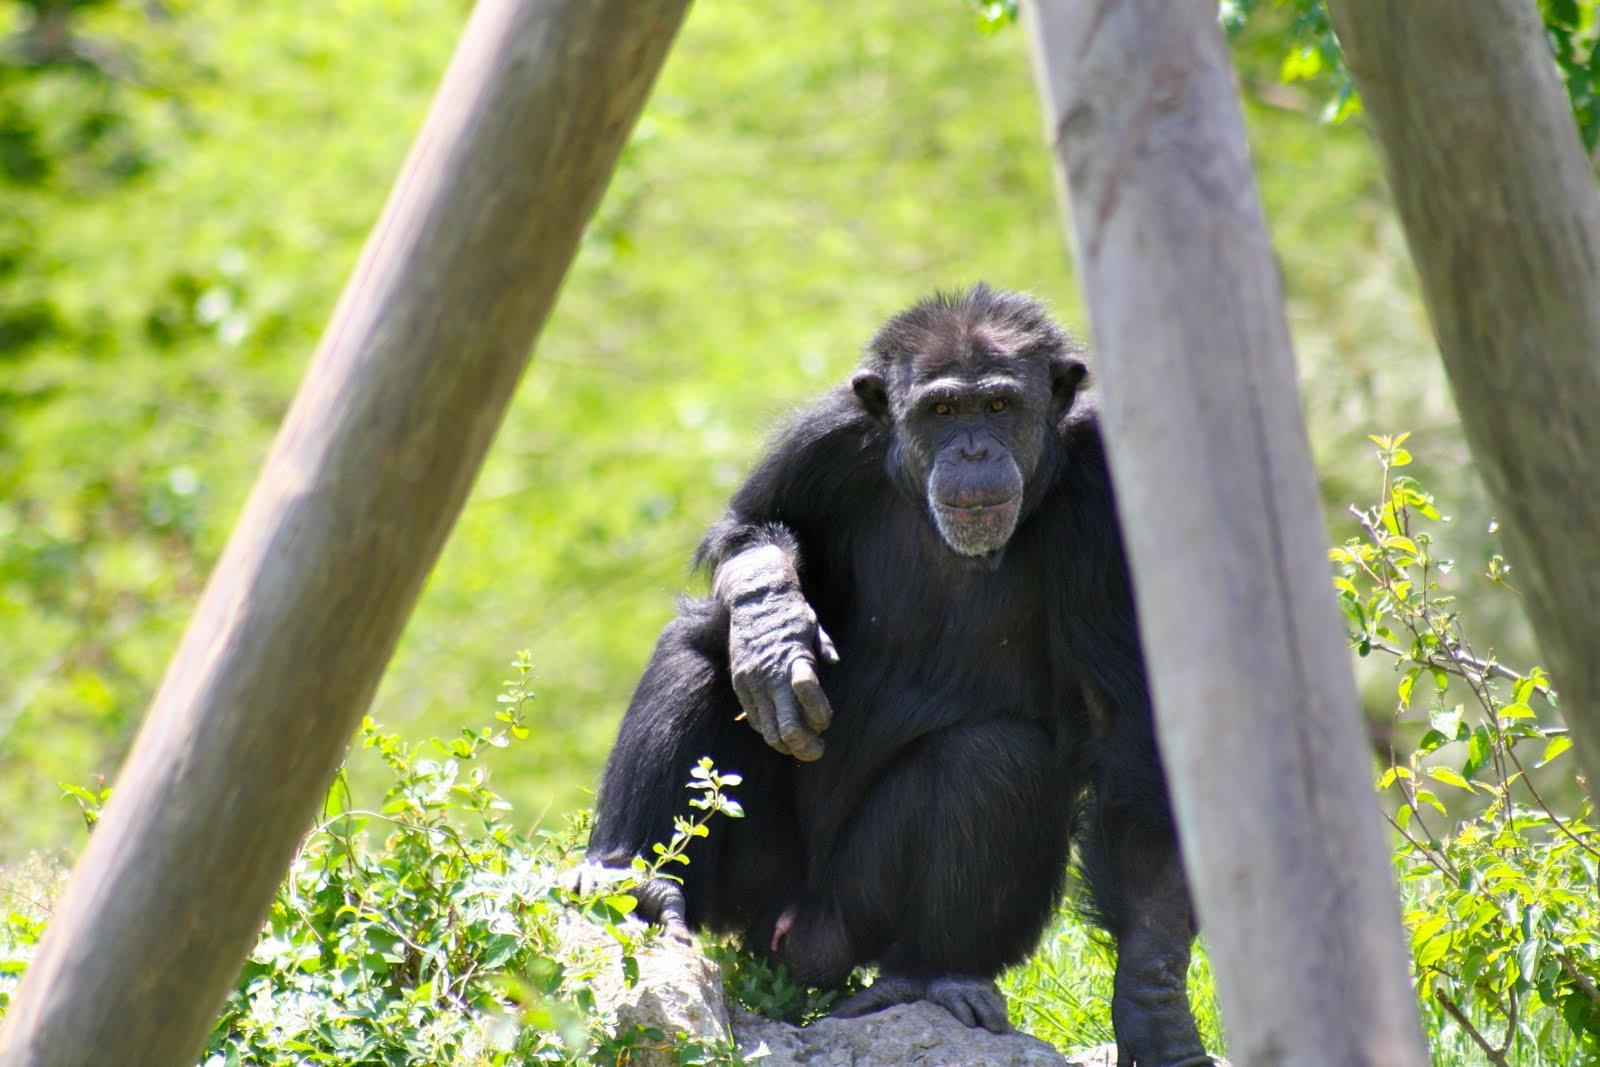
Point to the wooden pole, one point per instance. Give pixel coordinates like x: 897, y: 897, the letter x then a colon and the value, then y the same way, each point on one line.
x: 362, y: 486
x: 1499, y: 206
x: 1256, y: 706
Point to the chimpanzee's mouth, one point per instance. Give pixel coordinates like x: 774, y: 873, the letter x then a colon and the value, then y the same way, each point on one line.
x: 980, y: 530
x: 978, y: 509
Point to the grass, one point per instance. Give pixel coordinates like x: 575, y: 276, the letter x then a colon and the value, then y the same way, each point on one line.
x: 799, y: 174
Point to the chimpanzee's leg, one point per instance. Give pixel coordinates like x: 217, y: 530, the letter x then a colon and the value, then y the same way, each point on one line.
x: 684, y: 708
x: 949, y: 870
x: 1130, y: 856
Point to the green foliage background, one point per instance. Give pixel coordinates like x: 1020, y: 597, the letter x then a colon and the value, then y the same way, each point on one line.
x: 180, y: 211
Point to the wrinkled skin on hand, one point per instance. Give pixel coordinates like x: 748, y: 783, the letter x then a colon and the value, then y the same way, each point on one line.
x: 774, y: 642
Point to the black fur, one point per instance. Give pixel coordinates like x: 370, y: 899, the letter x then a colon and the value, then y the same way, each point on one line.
x: 987, y: 712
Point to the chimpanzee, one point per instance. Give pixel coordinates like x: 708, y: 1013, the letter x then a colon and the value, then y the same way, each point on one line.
x: 926, y: 565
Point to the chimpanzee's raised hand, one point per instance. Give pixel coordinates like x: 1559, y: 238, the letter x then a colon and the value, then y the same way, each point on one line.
x: 773, y: 644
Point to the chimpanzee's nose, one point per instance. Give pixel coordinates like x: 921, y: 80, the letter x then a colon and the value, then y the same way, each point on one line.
x: 973, y: 448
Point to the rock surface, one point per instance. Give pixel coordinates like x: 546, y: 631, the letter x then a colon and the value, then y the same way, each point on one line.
x: 920, y: 1034
x: 679, y: 992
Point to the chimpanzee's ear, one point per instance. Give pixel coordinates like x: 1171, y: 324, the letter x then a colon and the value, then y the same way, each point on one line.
x: 1067, y: 373
x: 870, y: 389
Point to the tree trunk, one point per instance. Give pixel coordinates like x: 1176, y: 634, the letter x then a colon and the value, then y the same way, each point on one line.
x: 362, y: 486
x: 1256, y: 707
x: 1500, y: 210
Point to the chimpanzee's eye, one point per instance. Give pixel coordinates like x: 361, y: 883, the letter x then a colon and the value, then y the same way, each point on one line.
x: 943, y: 409
x: 997, y: 406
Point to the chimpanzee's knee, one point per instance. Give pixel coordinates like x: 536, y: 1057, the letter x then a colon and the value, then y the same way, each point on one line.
x: 955, y: 860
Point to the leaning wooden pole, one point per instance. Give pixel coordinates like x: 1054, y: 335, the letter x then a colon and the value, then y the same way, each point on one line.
x: 1256, y: 706
x: 1500, y: 210
x: 363, y: 484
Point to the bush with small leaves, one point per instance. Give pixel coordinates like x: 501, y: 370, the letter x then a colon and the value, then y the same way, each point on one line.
x: 424, y: 930
x: 1501, y: 887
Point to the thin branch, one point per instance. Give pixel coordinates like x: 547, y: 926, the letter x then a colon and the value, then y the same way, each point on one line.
x: 1438, y: 860
x: 1560, y: 823
x: 1496, y: 1057
x: 1511, y: 1024
x: 1483, y: 667
x: 1583, y: 981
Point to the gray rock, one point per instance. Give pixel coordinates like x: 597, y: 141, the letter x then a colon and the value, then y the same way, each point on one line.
x: 679, y: 991
x: 1099, y: 1056
x: 919, y: 1034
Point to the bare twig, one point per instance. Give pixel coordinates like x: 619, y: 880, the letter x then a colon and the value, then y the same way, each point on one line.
x: 1496, y: 1057
x: 1439, y: 861
x: 1511, y: 1024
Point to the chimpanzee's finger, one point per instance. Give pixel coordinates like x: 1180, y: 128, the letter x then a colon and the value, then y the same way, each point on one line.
x: 767, y: 719
x: 757, y: 708
x: 813, y: 702
x: 825, y: 646
x: 801, y: 743
x: 744, y: 689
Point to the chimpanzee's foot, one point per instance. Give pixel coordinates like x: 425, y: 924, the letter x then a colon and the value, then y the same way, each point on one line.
x: 1150, y: 1012
x: 972, y: 1000
x: 1155, y: 1029
x: 662, y: 902
x: 659, y: 901
x: 1159, y: 1036
x: 886, y: 992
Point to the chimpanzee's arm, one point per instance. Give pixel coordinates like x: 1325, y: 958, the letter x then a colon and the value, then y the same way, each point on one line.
x: 828, y: 457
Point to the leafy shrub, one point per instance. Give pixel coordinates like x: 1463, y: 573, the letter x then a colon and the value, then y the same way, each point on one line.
x: 1501, y: 889
x: 426, y: 930
x: 756, y: 985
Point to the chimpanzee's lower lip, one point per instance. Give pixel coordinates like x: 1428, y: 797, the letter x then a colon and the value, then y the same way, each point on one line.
x: 978, y: 509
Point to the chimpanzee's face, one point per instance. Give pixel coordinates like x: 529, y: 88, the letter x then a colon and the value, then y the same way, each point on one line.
x: 972, y: 411
x: 976, y: 438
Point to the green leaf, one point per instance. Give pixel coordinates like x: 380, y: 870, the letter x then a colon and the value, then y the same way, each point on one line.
x: 1528, y: 958
x: 1431, y: 740
x: 1479, y: 749
x: 1557, y: 745
x: 1522, y: 689
x: 1449, y: 777
x: 1301, y: 64
x: 1427, y: 797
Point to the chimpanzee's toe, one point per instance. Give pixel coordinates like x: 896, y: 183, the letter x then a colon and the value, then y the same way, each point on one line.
x: 886, y: 992
x: 974, y: 1001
